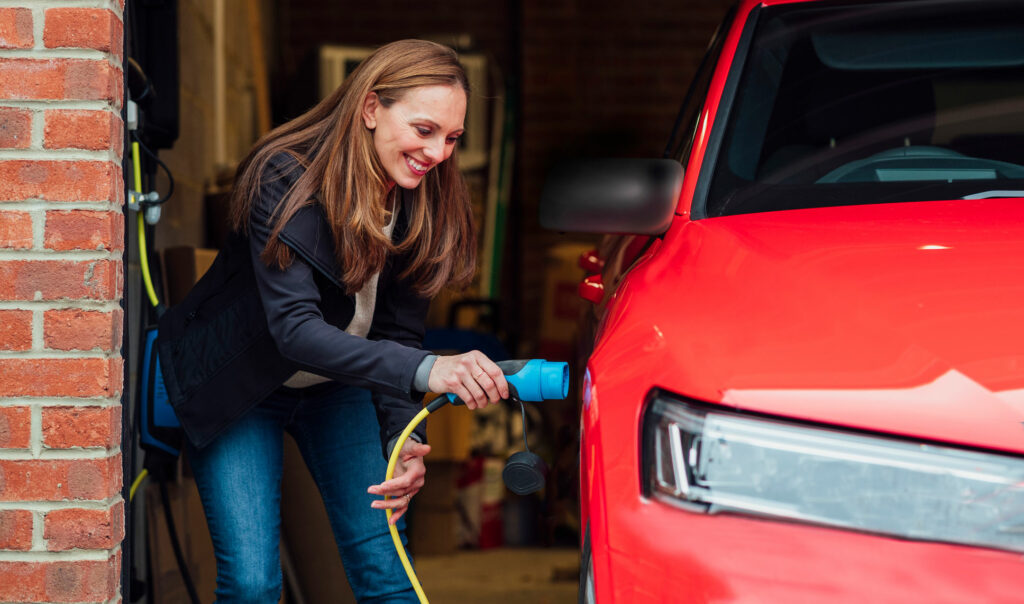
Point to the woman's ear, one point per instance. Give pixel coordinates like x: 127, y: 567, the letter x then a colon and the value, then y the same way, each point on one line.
x: 370, y: 105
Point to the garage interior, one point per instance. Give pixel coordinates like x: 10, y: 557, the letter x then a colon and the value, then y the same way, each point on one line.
x: 552, y: 80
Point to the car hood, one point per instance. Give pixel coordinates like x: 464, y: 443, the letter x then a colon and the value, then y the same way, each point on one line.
x: 901, y: 318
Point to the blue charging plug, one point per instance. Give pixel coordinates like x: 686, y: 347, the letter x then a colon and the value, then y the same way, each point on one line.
x: 528, y: 380
x: 532, y: 380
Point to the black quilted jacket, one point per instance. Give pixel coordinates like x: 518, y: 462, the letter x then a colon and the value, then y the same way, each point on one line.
x: 245, y: 328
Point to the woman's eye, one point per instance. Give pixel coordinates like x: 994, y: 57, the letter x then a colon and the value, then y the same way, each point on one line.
x: 423, y: 131
x: 452, y: 140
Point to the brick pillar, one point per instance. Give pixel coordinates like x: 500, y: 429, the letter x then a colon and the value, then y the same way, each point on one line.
x: 61, y: 275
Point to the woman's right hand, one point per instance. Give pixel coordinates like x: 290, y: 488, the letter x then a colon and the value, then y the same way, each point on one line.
x: 473, y: 377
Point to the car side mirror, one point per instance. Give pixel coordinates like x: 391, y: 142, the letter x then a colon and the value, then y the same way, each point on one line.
x: 622, y: 196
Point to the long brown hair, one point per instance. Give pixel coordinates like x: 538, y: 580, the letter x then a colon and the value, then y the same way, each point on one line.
x: 344, y: 175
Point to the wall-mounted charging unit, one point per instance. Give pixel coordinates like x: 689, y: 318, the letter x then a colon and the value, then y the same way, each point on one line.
x: 160, y: 429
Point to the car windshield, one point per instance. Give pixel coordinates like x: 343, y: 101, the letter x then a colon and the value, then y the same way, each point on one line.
x: 843, y: 103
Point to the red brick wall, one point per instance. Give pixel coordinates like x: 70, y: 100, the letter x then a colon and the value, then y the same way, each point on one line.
x: 61, y: 276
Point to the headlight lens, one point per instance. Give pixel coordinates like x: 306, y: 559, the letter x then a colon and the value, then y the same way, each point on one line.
x: 721, y: 461
x: 588, y: 585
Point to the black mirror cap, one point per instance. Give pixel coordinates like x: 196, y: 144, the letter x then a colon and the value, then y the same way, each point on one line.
x: 621, y: 196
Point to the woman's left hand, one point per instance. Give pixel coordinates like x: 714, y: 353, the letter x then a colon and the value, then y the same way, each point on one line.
x: 408, y: 480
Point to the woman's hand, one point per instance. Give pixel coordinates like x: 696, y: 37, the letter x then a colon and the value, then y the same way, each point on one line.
x: 407, y: 481
x: 471, y: 376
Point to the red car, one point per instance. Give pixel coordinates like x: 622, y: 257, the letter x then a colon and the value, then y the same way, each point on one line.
x: 807, y: 381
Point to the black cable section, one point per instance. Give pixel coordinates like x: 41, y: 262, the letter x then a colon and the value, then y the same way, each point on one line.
x: 166, y: 500
x: 131, y: 33
x: 138, y: 69
x: 129, y: 581
x: 170, y: 177
x: 522, y: 407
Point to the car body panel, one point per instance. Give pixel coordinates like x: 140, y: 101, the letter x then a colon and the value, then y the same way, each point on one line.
x: 771, y: 561
x: 647, y: 551
x: 834, y: 314
x: 702, y: 136
x: 898, y: 319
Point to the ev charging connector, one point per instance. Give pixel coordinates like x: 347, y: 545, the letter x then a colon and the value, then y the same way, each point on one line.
x: 531, y: 380
x: 528, y: 380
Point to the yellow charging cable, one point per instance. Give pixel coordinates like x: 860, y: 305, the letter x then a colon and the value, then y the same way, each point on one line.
x: 392, y: 462
x: 135, y: 484
x: 144, y: 261
x: 143, y: 256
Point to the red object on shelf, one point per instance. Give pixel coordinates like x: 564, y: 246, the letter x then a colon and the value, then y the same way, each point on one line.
x: 592, y: 289
x: 591, y: 262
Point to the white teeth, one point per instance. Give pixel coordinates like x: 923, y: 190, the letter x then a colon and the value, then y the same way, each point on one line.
x: 417, y: 166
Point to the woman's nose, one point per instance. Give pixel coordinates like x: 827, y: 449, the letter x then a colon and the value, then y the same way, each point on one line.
x: 435, y: 150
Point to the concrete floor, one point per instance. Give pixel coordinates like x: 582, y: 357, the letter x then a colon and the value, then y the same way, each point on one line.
x: 501, y: 576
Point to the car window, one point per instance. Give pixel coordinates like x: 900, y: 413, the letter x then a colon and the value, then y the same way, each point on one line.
x: 844, y: 103
x: 685, y: 130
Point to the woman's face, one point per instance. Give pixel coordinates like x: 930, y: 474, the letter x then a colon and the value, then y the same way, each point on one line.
x: 417, y: 132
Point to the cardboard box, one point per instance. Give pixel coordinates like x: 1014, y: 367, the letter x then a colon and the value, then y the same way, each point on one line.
x: 198, y: 545
x: 193, y: 536
x: 183, y: 266
x: 306, y: 533
x: 433, y: 519
x: 440, y: 489
x: 561, y: 303
x: 433, y: 531
x: 449, y: 432
x: 313, y: 566
x: 167, y: 583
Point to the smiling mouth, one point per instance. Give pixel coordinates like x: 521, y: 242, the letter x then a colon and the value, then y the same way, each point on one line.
x: 417, y: 168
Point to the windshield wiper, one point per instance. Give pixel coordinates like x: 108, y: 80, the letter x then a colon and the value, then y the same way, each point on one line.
x: 992, y: 194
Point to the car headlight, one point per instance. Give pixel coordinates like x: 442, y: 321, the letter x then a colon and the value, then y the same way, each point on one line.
x: 713, y: 461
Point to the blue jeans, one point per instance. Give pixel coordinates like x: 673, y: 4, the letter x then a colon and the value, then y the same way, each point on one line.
x: 239, y: 480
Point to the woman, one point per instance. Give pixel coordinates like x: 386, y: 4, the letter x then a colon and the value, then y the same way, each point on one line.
x: 346, y: 221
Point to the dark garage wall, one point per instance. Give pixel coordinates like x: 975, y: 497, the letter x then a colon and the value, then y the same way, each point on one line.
x: 303, y: 25
x: 598, y: 78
